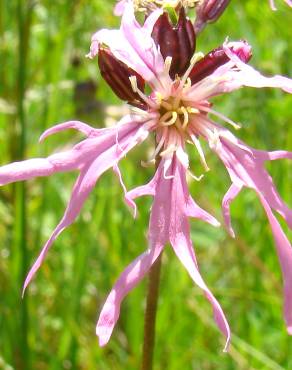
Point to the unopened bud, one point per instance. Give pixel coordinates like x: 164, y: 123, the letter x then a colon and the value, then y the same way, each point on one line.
x: 216, y: 58
x: 209, y: 11
x: 177, y: 42
x: 117, y: 74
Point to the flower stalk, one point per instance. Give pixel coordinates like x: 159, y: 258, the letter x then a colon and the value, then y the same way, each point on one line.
x: 151, y: 307
x: 150, y: 315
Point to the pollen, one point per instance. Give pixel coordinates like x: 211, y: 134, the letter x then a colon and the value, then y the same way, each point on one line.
x: 177, y: 115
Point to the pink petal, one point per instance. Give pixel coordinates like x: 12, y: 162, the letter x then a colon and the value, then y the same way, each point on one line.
x: 272, y: 5
x: 193, y: 210
x: 184, y: 251
x: 81, y: 190
x: 231, y: 194
x: 114, y: 146
x: 120, y: 7
x: 129, y: 201
x: 25, y: 170
x: 284, y: 251
x: 248, y: 76
x: 126, y: 282
x: 77, y: 125
x: 272, y: 156
x: 246, y: 168
x: 132, y: 44
x: 169, y: 220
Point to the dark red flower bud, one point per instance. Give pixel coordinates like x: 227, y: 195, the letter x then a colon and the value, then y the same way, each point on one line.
x: 116, y: 74
x: 177, y: 42
x: 217, y: 58
x: 209, y: 11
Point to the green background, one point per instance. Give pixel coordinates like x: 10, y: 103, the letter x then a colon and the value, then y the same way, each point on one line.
x: 45, y: 79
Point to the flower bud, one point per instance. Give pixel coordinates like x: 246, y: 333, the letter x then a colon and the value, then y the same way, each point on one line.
x: 209, y: 11
x: 116, y: 74
x: 177, y: 42
x: 217, y: 57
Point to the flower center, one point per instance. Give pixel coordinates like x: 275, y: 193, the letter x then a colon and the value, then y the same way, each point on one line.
x: 173, y: 112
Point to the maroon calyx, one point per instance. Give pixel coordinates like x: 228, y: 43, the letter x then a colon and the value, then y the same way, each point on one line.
x: 116, y: 74
x: 209, y: 11
x: 177, y: 42
x: 213, y: 60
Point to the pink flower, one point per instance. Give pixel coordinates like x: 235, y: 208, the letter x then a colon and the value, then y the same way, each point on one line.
x: 177, y: 110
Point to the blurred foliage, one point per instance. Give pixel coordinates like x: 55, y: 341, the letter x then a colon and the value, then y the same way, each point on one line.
x: 45, y: 79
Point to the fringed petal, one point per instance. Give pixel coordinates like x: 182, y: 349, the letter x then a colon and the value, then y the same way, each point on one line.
x: 25, y: 170
x: 76, y: 125
x: 184, y: 251
x: 127, y: 281
x: 120, y: 7
x: 132, y: 44
x: 231, y: 194
x: 193, y: 210
x: 246, y: 168
x: 170, y: 210
x: 284, y: 251
x: 105, y: 153
x: 248, y: 76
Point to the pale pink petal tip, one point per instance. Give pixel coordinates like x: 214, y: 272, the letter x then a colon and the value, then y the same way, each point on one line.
x: 227, y: 344
x: 289, y: 330
x: 120, y: 8
x: 76, y: 125
x: 103, y: 333
x: 272, y: 5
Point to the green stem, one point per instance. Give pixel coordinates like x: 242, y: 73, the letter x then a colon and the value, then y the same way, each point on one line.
x: 20, y: 189
x: 150, y: 315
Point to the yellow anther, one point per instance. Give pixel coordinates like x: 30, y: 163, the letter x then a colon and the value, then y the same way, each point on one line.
x: 193, y: 110
x: 171, y: 121
x: 188, y: 83
x: 167, y: 64
x: 133, y: 80
x: 186, y: 117
x: 158, y: 97
x: 196, y: 57
x: 170, y: 149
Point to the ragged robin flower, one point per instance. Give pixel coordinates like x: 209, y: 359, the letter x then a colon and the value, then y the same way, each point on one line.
x: 182, y: 83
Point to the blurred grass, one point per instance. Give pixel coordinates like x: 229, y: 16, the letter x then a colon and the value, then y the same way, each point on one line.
x: 45, y: 79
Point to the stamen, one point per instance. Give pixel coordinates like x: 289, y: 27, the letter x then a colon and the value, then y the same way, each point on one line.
x: 171, y: 149
x: 149, y: 163
x: 193, y: 110
x: 186, y: 117
x: 200, y: 151
x: 167, y: 64
x: 179, y: 126
x: 194, y: 176
x: 171, y: 121
x: 214, y: 139
x: 183, y: 84
x: 195, y: 58
x: 166, y: 105
x: 160, y: 144
x: 135, y: 88
x: 235, y: 125
x: 188, y: 84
